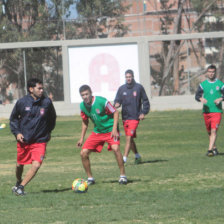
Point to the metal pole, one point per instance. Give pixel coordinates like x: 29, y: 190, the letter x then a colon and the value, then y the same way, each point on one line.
x: 188, y: 68
x: 63, y: 19
x: 24, y: 69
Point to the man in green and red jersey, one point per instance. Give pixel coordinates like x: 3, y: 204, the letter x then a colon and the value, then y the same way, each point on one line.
x: 211, y: 94
x: 105, y: 119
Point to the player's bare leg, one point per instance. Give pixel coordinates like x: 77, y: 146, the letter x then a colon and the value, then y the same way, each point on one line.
x: 86, y: 162
x: 133, y: 146
x: 212, y: 147
x: 19, y: 172
x: 31, y: 173
x: 127, y: 146
x: 119, y: 158
x: 18, y: 189
x: 135, y: 151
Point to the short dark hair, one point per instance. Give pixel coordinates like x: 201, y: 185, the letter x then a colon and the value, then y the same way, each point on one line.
x: 130, y: 72
x: 84, y: 88
x: 32, y: 83
x: 211, y: 67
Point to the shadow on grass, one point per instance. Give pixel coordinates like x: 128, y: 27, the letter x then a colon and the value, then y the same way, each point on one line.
x: 116, y: 181
x: 220, y: 154
x: 56, y: 190
x: 154, y: 161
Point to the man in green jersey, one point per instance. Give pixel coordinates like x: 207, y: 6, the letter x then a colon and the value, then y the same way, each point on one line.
x: 105, y: 119
x: 211, y: 93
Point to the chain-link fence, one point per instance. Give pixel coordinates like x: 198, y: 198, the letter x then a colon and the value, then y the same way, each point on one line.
x: 176, y: 66
x: 18, y: 65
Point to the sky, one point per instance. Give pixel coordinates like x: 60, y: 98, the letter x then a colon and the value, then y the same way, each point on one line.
x: 72, y: 10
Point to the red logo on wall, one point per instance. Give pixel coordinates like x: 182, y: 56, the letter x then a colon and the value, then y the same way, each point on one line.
x: 104, y: 69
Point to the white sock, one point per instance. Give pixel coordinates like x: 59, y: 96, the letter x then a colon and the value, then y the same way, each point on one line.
x: 137, y: 156
x: 124, y: 159
x: 91, y: 178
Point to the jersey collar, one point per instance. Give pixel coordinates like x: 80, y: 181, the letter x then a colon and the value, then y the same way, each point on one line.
x: 212, y: 81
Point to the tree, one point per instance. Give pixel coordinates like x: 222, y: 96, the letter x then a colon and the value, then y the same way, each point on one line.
x: 32, y: 20
x: 101, y: 18
x: 171, y: 50
x: 212, y: 21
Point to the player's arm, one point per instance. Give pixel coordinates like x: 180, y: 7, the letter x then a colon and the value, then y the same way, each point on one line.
x: 219, y: 100
x: 118, y: 99
x: 145, y: 104
x: 199, y: 95
x: 114, y: 133
x: 85, y: 123
x: 14, y: 123
x: 52, y: 117
x: 109, y: 109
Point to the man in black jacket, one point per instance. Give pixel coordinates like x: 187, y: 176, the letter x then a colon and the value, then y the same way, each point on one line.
x: 31, y: 121
x: 135, y: 105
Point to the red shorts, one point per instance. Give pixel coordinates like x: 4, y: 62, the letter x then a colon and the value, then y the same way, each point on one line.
x: 96, y: 141
x: 212, y: 120
x: 130, y: 127
x: 26, y: 153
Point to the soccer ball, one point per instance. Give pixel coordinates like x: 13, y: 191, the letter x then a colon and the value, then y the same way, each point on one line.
x: 2, y: 126
x: 79, y: 185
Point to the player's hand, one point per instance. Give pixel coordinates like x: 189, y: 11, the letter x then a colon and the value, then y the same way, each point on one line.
x: 79, y: 143
x: 117, y: 105
x: 115, y: 135
x: 218, y: 101
x: 203, y: 100
x: 141, y: 117
x: 20, y: 138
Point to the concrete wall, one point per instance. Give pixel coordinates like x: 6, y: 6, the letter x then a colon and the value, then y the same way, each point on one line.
x: 157, y: 103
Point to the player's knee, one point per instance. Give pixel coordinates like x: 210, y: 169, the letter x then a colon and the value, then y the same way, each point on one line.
x: 115, y: 148
x: 36, y: 165
x: 84, y: 153
x: 19, y: 166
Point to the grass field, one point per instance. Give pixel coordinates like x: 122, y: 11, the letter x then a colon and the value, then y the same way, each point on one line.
x: 175, y: 184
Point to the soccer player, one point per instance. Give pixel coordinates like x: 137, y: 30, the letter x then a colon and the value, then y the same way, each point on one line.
x: 135, y: 105
x: 211, y: 94
x: 31, y: 121
x: 105, y: 119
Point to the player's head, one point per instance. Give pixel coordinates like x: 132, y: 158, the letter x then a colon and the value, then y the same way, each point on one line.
x: 211, y: 72
x: 86, y: 93
x: 35, y: 87
x: 129, y: 76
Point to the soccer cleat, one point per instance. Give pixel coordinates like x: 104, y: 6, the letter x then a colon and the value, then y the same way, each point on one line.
x: 19, y: 191
x: 123, y: 180
x: 15, y: 187
x: 90, y: 182
x: 215, y: 152
x: 138, y: 160
x: 210, y: 153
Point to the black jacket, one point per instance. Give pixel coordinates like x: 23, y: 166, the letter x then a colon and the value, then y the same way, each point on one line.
x: 133, y: 99
x: 35, y: 119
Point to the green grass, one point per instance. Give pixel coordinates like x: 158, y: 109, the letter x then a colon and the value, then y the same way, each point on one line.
x: 175, y: 184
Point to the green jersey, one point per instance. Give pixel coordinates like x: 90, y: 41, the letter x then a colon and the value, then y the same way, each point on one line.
x: 211, y: 92
x: 101, y: 114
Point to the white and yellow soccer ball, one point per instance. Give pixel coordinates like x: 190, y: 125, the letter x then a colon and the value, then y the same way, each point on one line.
x: 79, y: 185
x: 2, y: 126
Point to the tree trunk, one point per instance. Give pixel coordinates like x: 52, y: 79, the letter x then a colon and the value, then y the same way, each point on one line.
x: 220, y: 62
x: 176, y: 81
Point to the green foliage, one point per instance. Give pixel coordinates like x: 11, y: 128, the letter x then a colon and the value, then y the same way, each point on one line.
x: 176, y: 183
x: 101, y: 18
